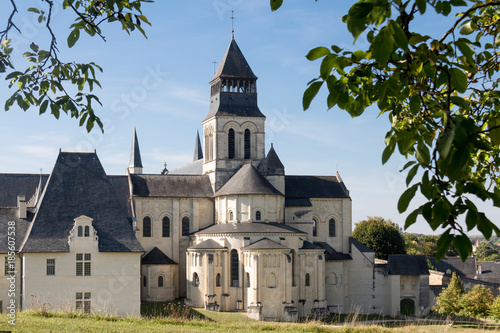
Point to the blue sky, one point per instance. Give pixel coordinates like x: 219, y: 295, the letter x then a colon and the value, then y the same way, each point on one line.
x: 160, y: 85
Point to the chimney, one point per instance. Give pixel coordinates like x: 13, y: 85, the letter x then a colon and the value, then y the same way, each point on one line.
x: 479, y: 269
x: 21, y: 204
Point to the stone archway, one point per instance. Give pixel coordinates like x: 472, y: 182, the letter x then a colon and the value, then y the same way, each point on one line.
x: 407, y: 307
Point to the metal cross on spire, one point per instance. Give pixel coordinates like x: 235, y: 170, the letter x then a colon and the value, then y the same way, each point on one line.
x: 215, y: 63
x: 232, y: 22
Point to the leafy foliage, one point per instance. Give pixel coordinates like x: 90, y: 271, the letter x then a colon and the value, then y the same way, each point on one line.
x: 494, y: 311
x: 47, y: 82
x: 448, y: 302
x: 485, y: 252
x: 382, y: 236
x: 426, y: 245
x: 440, y: 94
x: 476, y: 303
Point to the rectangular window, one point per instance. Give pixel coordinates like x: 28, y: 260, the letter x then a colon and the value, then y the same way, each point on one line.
x: 83, y: 264
x: 7, y: 266
x: 83, y: 302
x: 51, y: 267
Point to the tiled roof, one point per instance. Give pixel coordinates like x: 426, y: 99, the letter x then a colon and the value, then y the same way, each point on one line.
x: 178, y: 186
x: 264, y: 244
x: 247, y: 180
x: 271, y: 164
x: 298, y: 202
x: 315, y: 187
x: 208, y: 244
x: 21, y: 226
x: 234, y: 64
x: 306, y: 245
x: 360, y: 246
x: 12, y: 185
x: 448, y: 265
x: 249, y: 228
x: 331, y: 254
x: 156, y: 257
x: 79, y: 186
x: 405, y: 264
x: 193, y: 168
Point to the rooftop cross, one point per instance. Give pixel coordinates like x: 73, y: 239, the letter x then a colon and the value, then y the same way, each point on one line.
x: 232, y: 22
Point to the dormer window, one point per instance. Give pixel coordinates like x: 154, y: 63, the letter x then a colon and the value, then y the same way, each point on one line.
x: 80, y: 231
x: 87, y: 231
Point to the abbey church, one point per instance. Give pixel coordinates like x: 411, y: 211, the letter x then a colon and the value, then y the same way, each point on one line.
x: 230, y: 231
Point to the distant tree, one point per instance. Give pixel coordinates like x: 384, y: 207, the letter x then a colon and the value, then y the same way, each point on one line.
x: 495, y: 310
x: 426, y: 245
x: 380, y: 235
x: 448, y: 302
x: 485, y: 251
x: 476, y: 303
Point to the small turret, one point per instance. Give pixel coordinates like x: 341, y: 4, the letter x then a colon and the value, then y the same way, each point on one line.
x: 135, y: 165
x: 198, y: 152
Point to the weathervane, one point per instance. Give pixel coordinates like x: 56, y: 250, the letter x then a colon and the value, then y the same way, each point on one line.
x: 232, y: 22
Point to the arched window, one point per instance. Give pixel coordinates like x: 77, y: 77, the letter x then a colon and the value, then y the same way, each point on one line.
x: 271, y: 280
x: 217, y: 280
x: 292, y: 254
x: 230, y: 144
x: 165, y: 227
x: 235, y: 272
x: 80, y: 231
x: 146, y: 227
x: 331, y: 228
x: 86, y: 233
x: 231, y: 215
x: 160, y: 281
x: 247, y: 143
x: 185, y: 226
x: 332, y: 279
x: 196, y: 280
x: 144, y: 281
x: 247, y: 278
x: 308, y: 280
x: 315, y: 227
x: 258, y: 215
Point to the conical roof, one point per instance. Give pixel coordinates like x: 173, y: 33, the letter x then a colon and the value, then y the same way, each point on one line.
x: 198, y: 152
x: 234, y: 64
x: 135, y: 153
x: 247, y: 181
x: 271, y: 165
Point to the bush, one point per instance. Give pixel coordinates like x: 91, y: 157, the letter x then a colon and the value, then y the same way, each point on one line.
x: 495, y: 310
x: 448, y: 302
x: 476, y: 303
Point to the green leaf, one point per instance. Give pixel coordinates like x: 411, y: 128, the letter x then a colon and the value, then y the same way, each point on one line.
x: 386, y: 154
x: 412, y: 218
x: 422, y: 154
x: 275, y: 4
x: 43, y: 107
x: 421, y: 5
x: 34, y: 10
x: 34, y: 47
x: 399, y: 35
x: 317, y: 52
x: 382, y: 47
x: 406, y: 197
x: 467, y: 29
x: 73, y: 37
x: 458, y: 80
x: 415, y: 104
x: 310, y: 93
x: 411, y: 174
x: 444, y: 143
x: 443, y: 243
x: 463, y: 245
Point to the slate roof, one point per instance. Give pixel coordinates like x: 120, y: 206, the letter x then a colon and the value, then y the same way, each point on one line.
x: 249, y: 228
x: 198, y: 151
x: 21, y: 227
x: 14, y: 184
x: 331, y: 254
x: 208, y: 244
x: 193, y: 168
x: 121, y: 188
x: 234, y: 64
x: 455, y: 264
x: 156, y: 257
x: 135, y: 153
x: 79, y: 186
x: 271, y: 164
x: 306, y: 245
x: 490, y: 271
x: 360, y: 246
x: 179, y: 186
x: 405, y: 264
x: 247, y: 180
x: 264, y: 244
x: 315, y: 187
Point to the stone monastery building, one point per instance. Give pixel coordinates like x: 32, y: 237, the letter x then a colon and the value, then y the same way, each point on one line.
x: 230, y: 231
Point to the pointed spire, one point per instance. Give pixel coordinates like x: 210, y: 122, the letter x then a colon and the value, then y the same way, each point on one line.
x: 135, y: 165
x: 271, y: 164
x: 198, y: 152
x: 234, y: 64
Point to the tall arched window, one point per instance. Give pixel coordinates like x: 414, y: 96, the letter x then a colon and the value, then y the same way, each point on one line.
x: 185, y: 226
x: 231, y: 216
x: 331, y: 228
x: 86, y: 232
x: 230, y: 144
x: 308, y: 280
x: 146, y: 227
x: 258, y: 215
x: 80, y: 231
x: 217, y: 280
x: 235, y: 271
x: 315, y: 227
x: 247, y: 278
x: 247, y: 143
x: 160, y: 281
x: 196, y: 280
x: 165, y: 227
x: 292, y: 254
x: 144, y: 281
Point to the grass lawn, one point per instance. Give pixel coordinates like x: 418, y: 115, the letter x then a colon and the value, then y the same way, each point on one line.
x: 181, y: 319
